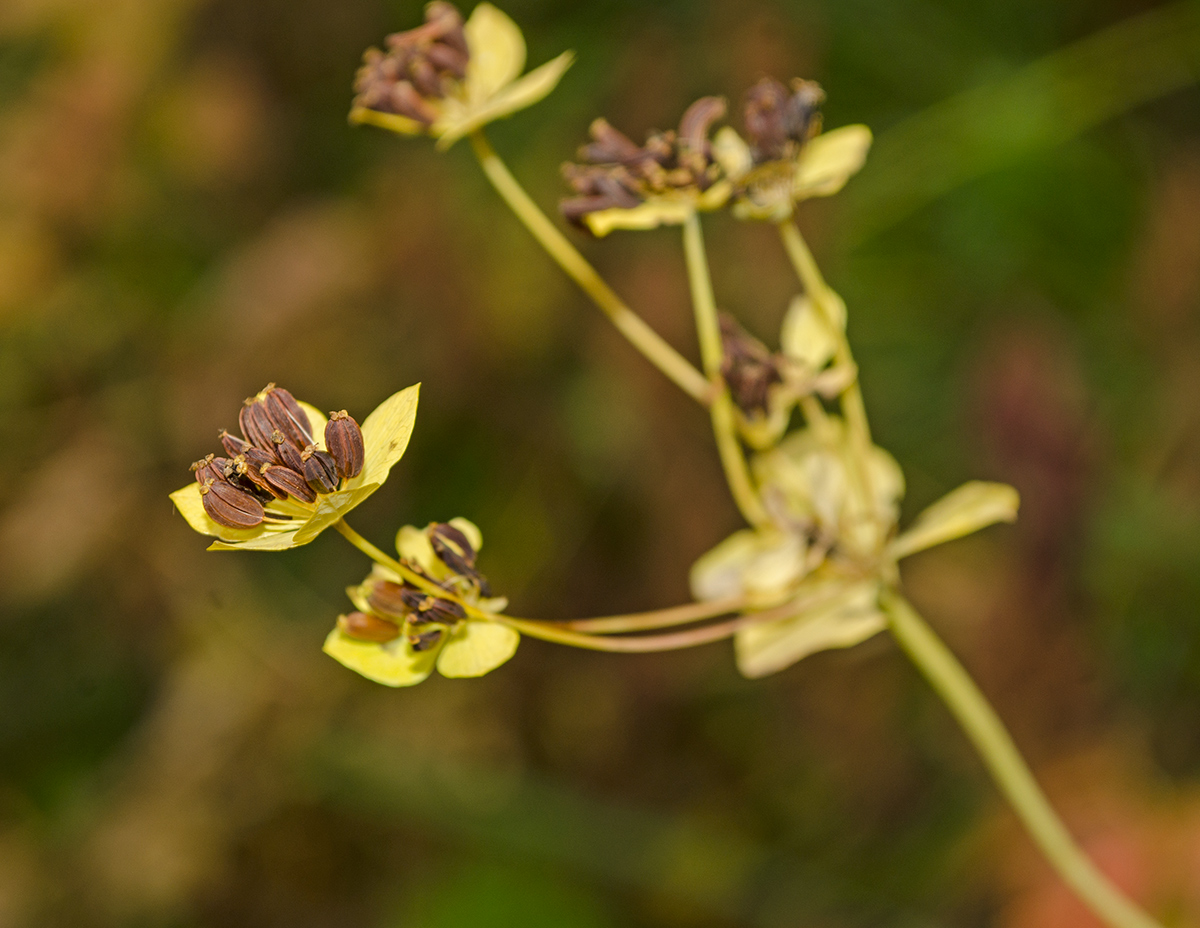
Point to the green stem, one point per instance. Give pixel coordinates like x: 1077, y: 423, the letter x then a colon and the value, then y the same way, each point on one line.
x: 818, y: 291
x: 708, y: 329
x: 628, y: 323
x: 1008, y: 768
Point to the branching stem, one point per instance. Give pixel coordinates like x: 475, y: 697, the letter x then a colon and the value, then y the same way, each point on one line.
x: 708, y: 330
x: 567, y: 256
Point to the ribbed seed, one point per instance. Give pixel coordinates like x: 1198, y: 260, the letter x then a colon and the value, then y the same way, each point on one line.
x: 232, y: 444
x: 287, y: 452
x: 344, y: 440
x: 319, y: 469
x: 387, y: 598
x: 432, y: 608
x: 367, y: 627
x: 225, y: 504
x: 289, y: 482
x: 250, y: 469
x: 455, y: 551
x: 256, y: 425
x: 287, y: 416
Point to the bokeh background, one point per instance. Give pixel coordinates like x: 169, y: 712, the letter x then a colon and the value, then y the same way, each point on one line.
x: 185, y: 214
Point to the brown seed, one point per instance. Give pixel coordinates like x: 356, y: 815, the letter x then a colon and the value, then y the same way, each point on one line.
x: 367, y: 627
x: 256, y: 425
x: 319, y: 470
x: 288, y: 416
x: 288, y: 453
x: 432, y: 608
x: 344, y: 440
x: 250, y: 469
x: 232, y: 444
x: 424, y: 640
x: 289, y: 481
x: 387, y: 598
x: 227, y: 505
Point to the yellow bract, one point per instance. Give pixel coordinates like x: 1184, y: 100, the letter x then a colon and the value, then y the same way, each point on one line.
x: 671, y: 209
x: 771, y: 190
x: 291, y: 523
x: 492, y: 89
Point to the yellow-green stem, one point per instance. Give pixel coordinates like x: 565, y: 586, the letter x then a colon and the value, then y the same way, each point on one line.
x: 708, y: 330
x: 852, y: 399
x: 579, y: 632
x: 985, y: 730
x: 628, y: 323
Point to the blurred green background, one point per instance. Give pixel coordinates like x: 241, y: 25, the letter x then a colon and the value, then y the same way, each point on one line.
x: 185, y: 215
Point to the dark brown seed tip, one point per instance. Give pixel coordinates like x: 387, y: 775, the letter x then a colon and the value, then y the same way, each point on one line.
x: 344, y: 440
x: 367, y: 627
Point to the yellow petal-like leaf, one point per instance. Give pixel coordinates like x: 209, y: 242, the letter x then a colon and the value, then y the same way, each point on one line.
x: 390, y: 121
x: 516, y: 96
x: 386, y: 432
x: 717, y: 574
x: 476, y: 648
x: 671, y: 211
x: 497, y: 52
x: 392, y: 664
x: 330, y: 508
x: 851, y: 617
x: 732, y: 153
x: 972, y: 506
x: 807, y: 336
x: 272, y: 540
x: 762, y: 565
x: 471, y: 530
x: 829, y: 160
x: 412, y: 544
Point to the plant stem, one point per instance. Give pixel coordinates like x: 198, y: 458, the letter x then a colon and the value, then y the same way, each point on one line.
x: 672, y: 641
x: 628, y: 323
x: 852, y: 399
x: 985, y: 730
x: 573, y: 631
x: 708, y: 330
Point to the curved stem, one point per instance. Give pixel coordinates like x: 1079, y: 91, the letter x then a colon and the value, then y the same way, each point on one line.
x: 628, y: 323
x: 985, y: 730
x: 672, y: 641
x: 572, y: 631
x: 852, y: 399
x: 708, y: 329
x: 658, y: 618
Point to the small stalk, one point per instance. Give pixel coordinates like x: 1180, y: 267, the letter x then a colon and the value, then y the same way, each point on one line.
x: 995, y: 746
x: 853, y: 407
x: 628, y: 323
x: 708, y: 330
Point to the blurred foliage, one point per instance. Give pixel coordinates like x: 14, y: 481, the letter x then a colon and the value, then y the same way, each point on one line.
x: 185, y: 215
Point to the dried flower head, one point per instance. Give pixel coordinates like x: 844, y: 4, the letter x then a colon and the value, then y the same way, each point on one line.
x: 621, y: 185
x: 785, y: 157
x: 292, y: 473
x: 400, y: 632
x: 447, y: 78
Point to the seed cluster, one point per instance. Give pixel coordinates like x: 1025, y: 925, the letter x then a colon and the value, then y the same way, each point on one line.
x: 404, y: 609
x: 777, y: 121
x: 748, y: 366
x: 618, y: 174
x: 421, y: 65
x: 276, y: 458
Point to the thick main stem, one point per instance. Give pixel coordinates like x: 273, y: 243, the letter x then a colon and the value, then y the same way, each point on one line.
x: 708, y: 330
x: 985, y: 730
x: 628, y: 323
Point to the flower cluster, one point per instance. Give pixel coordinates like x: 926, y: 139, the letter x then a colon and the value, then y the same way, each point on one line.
x: 623, y: 185
x: 292, y: 473
x: 437, y: 617
x: 447, y: 77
